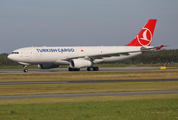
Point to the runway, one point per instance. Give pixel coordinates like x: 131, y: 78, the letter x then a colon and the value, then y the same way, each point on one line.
x: 63, y: 70
x: 86, y: 81
x: 89, y: 94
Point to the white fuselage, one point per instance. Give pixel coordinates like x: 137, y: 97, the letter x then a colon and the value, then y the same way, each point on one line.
x: 58, y: 55
x: 80, y: 57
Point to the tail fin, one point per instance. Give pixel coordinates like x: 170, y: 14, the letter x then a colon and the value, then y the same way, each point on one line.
x: 145, y: 36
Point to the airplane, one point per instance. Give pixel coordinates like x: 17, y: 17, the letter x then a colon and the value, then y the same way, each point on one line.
x: 85, y: 56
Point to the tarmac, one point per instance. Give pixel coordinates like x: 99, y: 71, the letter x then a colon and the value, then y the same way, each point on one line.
x: 62, y: 70
x: 89, y: 94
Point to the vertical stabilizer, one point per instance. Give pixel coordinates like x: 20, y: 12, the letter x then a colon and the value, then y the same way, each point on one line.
x: 144, y: 38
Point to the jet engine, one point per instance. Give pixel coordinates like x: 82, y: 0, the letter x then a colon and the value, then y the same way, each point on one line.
x: 79, y: 63
x: 47, y: 66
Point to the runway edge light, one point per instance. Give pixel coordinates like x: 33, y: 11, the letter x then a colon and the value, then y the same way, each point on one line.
x: 163, y: 67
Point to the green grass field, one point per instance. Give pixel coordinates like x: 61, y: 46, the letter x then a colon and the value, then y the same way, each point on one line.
x: 70, y: 76
x: 136, y: 107
x: 144, y: 109
x: 32, y: 89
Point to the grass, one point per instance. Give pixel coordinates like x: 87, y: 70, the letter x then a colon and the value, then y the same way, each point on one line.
x: 62, y: 66
x: 156, y: 65
x: 18, y: 67
x: 31, y: 89
x: 137, y: 107
x: 86, y: 99
x: 93, y: 108
x: 70, y: 76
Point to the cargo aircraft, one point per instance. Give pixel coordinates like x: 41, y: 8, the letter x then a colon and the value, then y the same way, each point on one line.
x: 81, y: 57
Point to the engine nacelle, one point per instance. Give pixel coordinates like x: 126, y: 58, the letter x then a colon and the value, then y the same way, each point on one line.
x: 78, y: 63
x: 47, y: 66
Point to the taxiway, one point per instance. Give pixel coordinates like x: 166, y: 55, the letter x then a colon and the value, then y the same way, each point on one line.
x: 62, y: 70
x: 89, y: 94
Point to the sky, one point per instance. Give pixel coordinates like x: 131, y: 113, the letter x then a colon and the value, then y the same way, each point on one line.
x: 26, y: 23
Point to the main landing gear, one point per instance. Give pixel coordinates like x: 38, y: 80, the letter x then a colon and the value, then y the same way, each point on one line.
x: 92, y: 69
x: 74, y: 69
x: 25, y: 69
x: 88, y: 69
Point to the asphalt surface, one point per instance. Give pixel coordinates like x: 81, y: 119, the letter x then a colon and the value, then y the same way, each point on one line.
x: 86, y: 81
x: 62, y: 70
x: 89, y: 94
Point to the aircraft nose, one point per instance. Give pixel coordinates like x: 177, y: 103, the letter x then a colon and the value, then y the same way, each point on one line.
x: 9, y: 56
x: 13, y: 57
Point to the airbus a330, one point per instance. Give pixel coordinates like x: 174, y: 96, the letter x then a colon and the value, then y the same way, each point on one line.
x: 81, y: 57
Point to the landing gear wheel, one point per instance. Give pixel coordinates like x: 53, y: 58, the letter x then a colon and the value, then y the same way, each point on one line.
x: 70, y: 69
x: 92, y: 69
x: 95, y: 68
x: 25, y: 70
x: 88, y: 68
x: 74, y: 69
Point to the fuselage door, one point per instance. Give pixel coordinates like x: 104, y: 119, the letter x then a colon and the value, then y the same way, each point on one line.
x: 27, y: 54
x: 21, y: 54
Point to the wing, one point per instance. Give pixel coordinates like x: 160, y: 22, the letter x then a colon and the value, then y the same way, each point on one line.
x: 101, y: 55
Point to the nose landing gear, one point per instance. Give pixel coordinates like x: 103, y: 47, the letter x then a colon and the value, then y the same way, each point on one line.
x: 25, y: 68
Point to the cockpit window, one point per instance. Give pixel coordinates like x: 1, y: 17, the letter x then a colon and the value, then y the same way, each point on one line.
x: 15, y: 52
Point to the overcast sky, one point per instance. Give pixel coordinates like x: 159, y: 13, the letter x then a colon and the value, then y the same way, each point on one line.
x: 26, y: 23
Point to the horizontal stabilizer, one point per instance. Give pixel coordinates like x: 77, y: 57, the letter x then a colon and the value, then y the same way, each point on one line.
x: 159, y: 48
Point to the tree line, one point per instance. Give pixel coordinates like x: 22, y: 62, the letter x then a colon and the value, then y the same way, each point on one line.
x: 4, y: 61
x: 155, y: 57
x: 152, y: 57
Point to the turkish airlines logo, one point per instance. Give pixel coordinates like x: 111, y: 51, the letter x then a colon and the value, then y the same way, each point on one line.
x: 144, y: 37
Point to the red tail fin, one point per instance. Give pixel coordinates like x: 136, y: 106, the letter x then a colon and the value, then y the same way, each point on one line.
x: 145, y: 36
